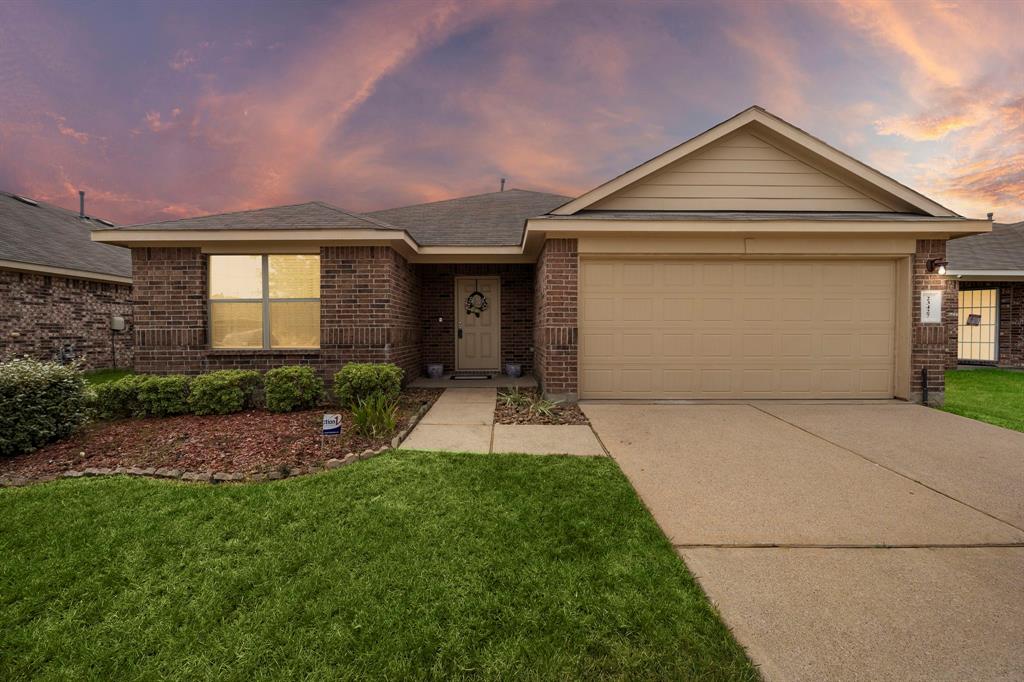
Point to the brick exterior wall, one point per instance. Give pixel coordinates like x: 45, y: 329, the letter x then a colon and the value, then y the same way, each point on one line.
x: 556, y: 333
x: 1011, y: 320
x: 368, y: 312
x: 437, y: 301
x: 42, y: 314
x: 933, y: 346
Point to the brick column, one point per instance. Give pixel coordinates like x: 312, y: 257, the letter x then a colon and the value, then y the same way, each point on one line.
x: 933, y: 346
x: 169, y: 309
x: 556, y: 351
x: 368, y: 308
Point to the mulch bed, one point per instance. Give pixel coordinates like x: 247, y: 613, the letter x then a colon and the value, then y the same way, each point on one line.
x: 565, y: 413
x: 241, y: 442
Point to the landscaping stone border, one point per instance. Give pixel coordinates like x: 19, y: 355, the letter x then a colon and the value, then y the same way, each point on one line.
x: 272, y: 474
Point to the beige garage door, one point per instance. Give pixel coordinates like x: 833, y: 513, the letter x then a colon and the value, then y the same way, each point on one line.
x: 737, y: 328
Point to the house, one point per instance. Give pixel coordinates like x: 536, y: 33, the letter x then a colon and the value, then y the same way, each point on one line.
x: 58, y: 288
x: 751, y: 261
x: 989, y: 269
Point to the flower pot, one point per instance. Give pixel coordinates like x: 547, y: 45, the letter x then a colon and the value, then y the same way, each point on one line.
x: 513, y: 369
x: 435, y: 370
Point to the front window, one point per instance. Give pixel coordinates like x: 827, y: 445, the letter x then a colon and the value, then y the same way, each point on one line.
x: 978, y: 325
x: 268, y: 301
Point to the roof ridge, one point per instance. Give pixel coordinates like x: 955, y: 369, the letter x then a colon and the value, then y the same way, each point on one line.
x: 50, y: 206
x: 468, y: 196
x: 216, y: 215
x: 358, y: 216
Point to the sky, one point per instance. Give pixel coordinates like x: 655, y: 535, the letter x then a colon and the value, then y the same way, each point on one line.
x: 160, y: 110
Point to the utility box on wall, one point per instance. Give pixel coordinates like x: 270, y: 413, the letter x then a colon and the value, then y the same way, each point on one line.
x: 117, y: 323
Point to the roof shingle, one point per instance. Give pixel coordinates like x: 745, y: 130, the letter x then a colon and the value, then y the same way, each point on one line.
x: 313, y: 215
x: 52, y: 236
x: 492, y: 219
x: 1000, y: 249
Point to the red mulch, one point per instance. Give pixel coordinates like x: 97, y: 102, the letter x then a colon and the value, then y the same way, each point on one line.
x: 565, y: 413
x: 241, y: 442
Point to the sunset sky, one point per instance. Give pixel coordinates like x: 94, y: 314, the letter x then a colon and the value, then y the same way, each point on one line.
x: 161, y: 110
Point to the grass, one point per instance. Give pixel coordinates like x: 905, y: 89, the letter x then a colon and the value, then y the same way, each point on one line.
x: 995, y: 396
x: 409, y: 565
x: 102, y: 376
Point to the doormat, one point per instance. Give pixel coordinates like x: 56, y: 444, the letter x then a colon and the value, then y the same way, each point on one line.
x: 469, y: 376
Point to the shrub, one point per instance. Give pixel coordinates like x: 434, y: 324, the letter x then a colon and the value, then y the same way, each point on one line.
x: 223, y: 392
x: 376, y: 416
x: 160, y: 396
x: 39, y: 402
x: 292, y: 388
x: 359, y: 381
x: 120, y: 398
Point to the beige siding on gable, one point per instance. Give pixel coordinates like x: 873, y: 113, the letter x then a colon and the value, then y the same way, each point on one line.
x: 740, y: 173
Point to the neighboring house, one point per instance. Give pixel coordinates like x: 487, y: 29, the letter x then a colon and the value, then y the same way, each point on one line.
x: 752, y: 261
x: 58, y: 288
x: 989, y: 269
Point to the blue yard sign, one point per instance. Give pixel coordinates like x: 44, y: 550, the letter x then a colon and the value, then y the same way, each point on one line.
x: 332, y: 425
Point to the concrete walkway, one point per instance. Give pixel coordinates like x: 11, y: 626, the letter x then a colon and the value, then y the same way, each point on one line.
x: 845, y: 542
x: 462, y: 420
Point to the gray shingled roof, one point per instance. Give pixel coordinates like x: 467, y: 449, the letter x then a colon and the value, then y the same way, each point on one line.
x: 493, y: 219
x: 1000, y: 249
x: 52, y: 236
x: 313, y: 215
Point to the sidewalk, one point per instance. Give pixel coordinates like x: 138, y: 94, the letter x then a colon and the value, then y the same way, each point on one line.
x: 462, y: 420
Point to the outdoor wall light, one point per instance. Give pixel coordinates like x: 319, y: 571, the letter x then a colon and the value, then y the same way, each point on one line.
x: 936, y: 265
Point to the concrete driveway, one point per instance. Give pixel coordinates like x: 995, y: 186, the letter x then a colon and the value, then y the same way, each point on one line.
x: 841, y: 541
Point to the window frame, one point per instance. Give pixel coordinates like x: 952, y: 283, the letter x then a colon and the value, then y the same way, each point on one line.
x: 264, y: 302
x: 995, y: 326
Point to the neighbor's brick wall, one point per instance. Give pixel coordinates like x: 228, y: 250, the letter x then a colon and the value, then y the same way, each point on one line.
x: 437, y: 300
x: 41, y: 314
x: 367, y: 296
x: 933, y: 346
x: 1011, y: 320
x: 556, y: 358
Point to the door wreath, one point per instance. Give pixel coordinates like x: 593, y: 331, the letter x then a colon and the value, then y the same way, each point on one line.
x: 476, y: 302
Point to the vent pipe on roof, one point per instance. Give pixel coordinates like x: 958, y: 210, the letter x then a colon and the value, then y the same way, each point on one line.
x: 502, y: 184
x: 81, y: 203
x: 991, y: 216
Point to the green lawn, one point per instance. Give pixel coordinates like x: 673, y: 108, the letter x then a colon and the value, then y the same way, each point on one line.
x: 995, y: 396
x: 102, y: 376
x: 410, y: 565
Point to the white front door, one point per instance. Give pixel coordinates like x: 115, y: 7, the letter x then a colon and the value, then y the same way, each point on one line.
x: 478, y: 336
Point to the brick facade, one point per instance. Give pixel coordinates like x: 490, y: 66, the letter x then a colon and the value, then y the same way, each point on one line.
x: 933, y: 346
x: 43, y: 315
x: 437, y: 302
x: 368, y: 313
x: 556, y: 333
x: 1011, y: 320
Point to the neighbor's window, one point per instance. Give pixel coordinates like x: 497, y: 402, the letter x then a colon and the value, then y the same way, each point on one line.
x: 978, y: 325
x: 270, y: 301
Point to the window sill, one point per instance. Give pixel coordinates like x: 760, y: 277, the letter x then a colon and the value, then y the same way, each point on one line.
x: 263, y: 351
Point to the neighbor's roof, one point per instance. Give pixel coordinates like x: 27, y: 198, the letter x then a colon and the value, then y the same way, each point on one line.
x: 1002, y: 249
x: 493, y: 219
x: 312, y: 215
x: 51, y: 236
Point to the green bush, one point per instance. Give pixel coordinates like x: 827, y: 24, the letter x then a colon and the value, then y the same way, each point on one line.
x: 223, y: 392
x: 358, y: 381
x: 39, y: 402
x: 160, y: 396
x: 118, y: 399
x: 292, y: 388
x: 376, y: 416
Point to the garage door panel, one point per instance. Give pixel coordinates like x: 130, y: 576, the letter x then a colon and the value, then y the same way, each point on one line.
x: 737, y: 329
